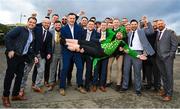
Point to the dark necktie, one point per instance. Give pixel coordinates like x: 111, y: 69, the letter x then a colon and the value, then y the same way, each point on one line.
x: 132, y: 37
x: 159, y: 37
x: 43, y: 35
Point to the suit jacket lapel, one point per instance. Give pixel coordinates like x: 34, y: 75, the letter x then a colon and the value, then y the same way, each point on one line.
x: 163, y: 35
x: 69, y: 31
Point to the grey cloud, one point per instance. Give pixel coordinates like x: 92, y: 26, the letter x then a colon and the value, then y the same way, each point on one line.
x: 166, y: 9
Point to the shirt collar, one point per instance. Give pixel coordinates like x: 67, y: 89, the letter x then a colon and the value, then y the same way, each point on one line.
x: 70, y: 26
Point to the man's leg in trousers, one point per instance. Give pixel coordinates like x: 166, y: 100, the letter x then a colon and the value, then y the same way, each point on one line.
x: 137, y: 65
x: 40, y: 74
x: 18, y: 79
x: 11, y: 69
x: 109, y: 69
x: 119, y: 71
x: 79, y: 66
x: 127, y: 66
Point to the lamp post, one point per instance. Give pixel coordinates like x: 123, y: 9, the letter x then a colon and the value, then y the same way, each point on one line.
x: 21, y: 15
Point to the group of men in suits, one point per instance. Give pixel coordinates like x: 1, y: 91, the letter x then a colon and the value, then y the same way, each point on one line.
x: 35, y: 45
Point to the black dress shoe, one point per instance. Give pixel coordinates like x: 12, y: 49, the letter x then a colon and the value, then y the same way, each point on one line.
x: 123, y: 90
x: 87, y: 89
x: 147, y: 87
x: 138, y: 93
x: 118, y: 87
x: 108, y: 84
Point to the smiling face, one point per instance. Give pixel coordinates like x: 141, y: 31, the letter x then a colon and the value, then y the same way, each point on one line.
x: 57, y: 26
x: 134, y: 25
x: 71, y: 19
x: 90, y: 26
x: 119, y: 36
x: 160, y: 25
x: 103, y: 26
x: 31, y: 23
x: 46, y: 23
x: 116, y: 24
x: 84, y: 22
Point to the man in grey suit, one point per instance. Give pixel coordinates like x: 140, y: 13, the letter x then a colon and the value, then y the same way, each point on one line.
x: 56, y: 58
x: 137, y: 41
x: 166, y: 45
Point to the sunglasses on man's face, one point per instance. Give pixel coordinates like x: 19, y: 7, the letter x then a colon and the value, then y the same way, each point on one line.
x: 64, y: 19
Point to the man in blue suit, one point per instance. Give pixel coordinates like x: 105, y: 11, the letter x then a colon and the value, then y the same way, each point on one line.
x: 71, y: 31
x: 89, y: 35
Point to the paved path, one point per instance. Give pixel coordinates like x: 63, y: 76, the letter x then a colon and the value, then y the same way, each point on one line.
x: 110, y: 99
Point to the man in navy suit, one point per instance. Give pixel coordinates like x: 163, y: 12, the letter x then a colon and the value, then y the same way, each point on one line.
x: 89, y: 35
x: 43, y: 51
x: 19, y: 44
x: 71, y: 31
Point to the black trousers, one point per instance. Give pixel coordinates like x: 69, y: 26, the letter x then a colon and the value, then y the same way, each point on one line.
x: 151, y: 72
x: 88, y: 75
x: 47, y: 70
x: 91, y: 48
x: 15, y: 66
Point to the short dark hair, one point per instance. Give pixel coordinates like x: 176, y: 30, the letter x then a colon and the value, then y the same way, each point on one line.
x: 91, y: 21
x: 93, y: 18
x: 107, y: 18
x: 72, y: 14
x: 84, y: 17
x: 55, y: 15
x: 34, y: 18
x: 133, y: 20
x: 98, y: 22
x: 57, y: 21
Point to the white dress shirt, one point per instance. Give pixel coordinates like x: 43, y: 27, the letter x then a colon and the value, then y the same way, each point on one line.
x: 88, y: 35
x: 72, y: 30
x: 136, y: 43
x: 30, y: 39
x: 162, y: 32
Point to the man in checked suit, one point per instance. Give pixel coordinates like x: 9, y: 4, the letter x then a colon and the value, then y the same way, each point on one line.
x: 55, y: 65
x: 71, y: 31
x: 166, y: 45
x: 137, y: 41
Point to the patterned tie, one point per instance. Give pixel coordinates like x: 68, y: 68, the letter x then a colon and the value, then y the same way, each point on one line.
x: 57, y: 37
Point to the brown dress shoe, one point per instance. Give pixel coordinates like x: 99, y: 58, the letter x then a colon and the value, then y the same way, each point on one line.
x: 50, y: 88
x: 94, y: 88
x: 167, y: 98
x: 18, y: 98
x: 62, y: 92
x: 46, y: 84
x: 81, y: 90
x: 21, y: 92
x: 6, y: 102
x: 103, y: 89
x: 162, y: 93
x: 39, y: 90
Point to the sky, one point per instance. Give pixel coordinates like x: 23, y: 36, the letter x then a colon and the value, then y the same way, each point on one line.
x: 168, y: 10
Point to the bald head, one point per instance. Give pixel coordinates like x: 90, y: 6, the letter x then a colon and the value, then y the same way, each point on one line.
x: 46, y: 23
